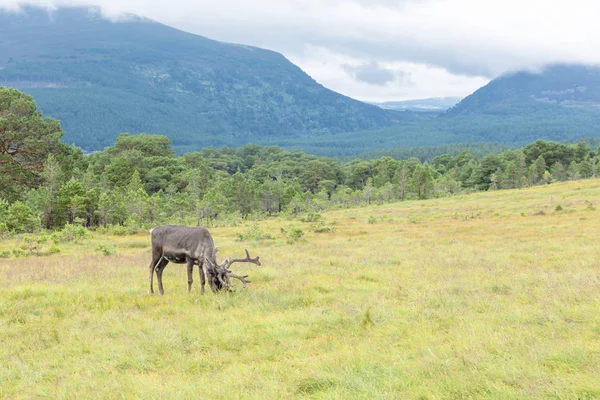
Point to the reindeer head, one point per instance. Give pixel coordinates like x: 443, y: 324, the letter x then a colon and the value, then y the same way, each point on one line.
x: 220, y: 275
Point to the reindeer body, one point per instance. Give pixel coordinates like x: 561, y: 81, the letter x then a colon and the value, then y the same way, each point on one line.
x: 191, y: 246
x: 182, y: 245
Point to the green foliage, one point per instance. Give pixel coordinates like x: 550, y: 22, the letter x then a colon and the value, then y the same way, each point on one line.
x: 105, y: 250
x: 18, y: 252
x: 133, y: 224
x: 372, y: 219
x: 26, y: 138
x: 312, y: 217
x: 227, y: 186
x: 253, y: 232
x: 71, y: 233
x: 20, y: 218
x: 5, y: 253
x: 33, y: 244
x: 117, y: 230
x: 558, y: 208
x: 53, y: 249
x: 294, y: 234
x: 590, y: 205
x: 322, y: 226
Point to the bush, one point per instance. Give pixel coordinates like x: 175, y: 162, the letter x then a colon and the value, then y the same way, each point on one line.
x: 53, y: 249
x: 323, y: 227
x: 107, y: 251
x: 253, y: 233
x: 19, y: 252
x: 133, y: 224
x: 5, y: 253
x: 312, y: 217
x: 117, y: 230
x: 372, y: 219
x: 558, y: 208
x: 21, y: 219
x: 71, y: 233
x: 294, y: 235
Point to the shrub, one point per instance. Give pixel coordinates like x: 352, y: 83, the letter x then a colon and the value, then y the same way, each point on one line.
x: 133, y: 224
x: 53, y: 249
x: 413, y: 219
x: 19, y: 252
x: 71, y: 233
x: 253, y: 233
x: 372, y: 219
x: 31, y: 245
x: 312, y: 217
x: 117, y: 230
x: 294, y: 234
x: 558, y: 208
x: 107, y: 251
x: 21, y: 219
x: 323, y: 227
x: 5, y: 253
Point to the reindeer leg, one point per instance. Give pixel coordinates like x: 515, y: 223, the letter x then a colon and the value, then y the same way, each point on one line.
x: 190, y: 269
x: 155, y: 259
x: 202, y: 280
x: 159, y: 271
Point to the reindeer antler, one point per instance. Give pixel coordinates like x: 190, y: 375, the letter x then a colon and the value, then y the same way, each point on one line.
x: 227, y: 263
x: 241, y: 278
x: 224, y: 273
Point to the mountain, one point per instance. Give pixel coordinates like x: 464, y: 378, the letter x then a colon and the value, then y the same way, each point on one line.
x: 101, y: 78
x: 434, y: 104
x: 560, y: 103
x: 557, y: 88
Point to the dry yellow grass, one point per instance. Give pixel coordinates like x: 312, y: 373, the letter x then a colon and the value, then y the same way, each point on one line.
x: 490, y: 295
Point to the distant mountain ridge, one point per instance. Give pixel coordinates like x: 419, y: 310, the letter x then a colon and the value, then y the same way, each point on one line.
x: 433, y: 104
x: 560, y: 102
x: 101, y: 78
x: 561, y: 85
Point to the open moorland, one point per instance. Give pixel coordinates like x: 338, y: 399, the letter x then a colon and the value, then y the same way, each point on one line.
x: 488, y: 295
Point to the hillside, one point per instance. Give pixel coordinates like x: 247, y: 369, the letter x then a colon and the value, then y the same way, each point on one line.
x: 559, y: 88
x: 102, y: 78
x: 560, y: 103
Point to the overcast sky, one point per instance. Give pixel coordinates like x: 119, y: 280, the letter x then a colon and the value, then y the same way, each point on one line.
x: 378, y: 50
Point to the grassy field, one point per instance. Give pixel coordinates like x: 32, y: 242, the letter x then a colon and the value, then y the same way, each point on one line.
x: 490, y: 295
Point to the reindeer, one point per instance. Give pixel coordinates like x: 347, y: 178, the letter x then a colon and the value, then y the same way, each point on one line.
x: 192, y: 246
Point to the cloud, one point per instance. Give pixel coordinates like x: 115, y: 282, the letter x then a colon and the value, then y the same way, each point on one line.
x: 372, y: 73
x: 469, y: 40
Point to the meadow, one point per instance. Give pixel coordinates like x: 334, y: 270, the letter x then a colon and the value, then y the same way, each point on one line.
x: 493, y: 295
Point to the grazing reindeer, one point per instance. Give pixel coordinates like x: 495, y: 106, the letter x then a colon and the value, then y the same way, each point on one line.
x: 192, y: 246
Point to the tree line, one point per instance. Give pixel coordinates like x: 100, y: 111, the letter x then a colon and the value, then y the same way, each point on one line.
x: 140, y: 181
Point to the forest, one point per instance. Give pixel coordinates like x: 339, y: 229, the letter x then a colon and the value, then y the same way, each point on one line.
x: 140, y: 181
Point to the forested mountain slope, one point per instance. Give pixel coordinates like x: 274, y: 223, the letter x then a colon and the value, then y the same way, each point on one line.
x: 101, y: 78
x: 558, y: 88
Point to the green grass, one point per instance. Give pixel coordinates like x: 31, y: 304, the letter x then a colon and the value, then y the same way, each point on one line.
x: 476, y: 296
